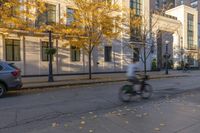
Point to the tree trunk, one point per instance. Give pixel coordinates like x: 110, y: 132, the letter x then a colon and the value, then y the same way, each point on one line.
x: 145, y: 61
x: 90, y: 65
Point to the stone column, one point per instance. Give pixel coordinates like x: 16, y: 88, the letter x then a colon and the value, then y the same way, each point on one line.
x: 176, y: 56
x: 23, y: 53
x: 2, y: 51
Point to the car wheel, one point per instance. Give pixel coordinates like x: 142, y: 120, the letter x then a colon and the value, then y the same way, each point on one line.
x: 2, y: 90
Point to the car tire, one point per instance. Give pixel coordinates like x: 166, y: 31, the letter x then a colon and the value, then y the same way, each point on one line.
x: 2, y: 90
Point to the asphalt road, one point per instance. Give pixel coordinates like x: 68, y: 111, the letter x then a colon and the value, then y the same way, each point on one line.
x: 96, y: 108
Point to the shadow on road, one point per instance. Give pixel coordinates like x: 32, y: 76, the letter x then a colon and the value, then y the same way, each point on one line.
x: 12, y: 94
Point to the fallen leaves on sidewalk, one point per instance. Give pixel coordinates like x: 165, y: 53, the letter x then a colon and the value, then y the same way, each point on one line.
x: 138, y: 115
x: 95, y: 116
x: 156, y: 129
x: 194, y: 110
x: 91, y: 113
x: 55, y: 125
x: 83, y: 117
x: 91, y: 131
x: 66, y: 125
x: 162, y: 124
x: 145, y: 114
x: 82, y: 122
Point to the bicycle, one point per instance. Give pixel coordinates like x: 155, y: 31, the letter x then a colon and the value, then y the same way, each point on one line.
x: 126, y: 92
x: 186, y: 70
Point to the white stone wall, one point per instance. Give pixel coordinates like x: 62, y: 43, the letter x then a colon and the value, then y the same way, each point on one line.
x: 31, y: 59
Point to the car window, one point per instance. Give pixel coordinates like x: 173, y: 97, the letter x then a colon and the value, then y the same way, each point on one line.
x: 1, y: 68
x: 13, y: 66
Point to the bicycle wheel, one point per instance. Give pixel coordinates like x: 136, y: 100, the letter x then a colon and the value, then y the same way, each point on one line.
x: 147, y: 91
x: 125, y: 93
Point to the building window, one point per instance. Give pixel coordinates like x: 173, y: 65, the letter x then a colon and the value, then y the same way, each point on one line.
x: 51, y: 13
x: 194, y: 3
x: 12, y: 50
x: 135, y: 34
x: 190, y: 33
x: 157, y: 4
x: 190, y: 40
x: 45, y: 45
x: 190, y: 22
x: 70, y: 16
x: 135, y: 30
x: 75, y: 53
x: 108, y: 53
x: 164, y: 4
x: 136, y: 5
x: 136, y: 54
x: 49, y: 16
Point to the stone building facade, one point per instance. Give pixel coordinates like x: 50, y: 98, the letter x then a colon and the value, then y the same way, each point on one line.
x: 28, y: 51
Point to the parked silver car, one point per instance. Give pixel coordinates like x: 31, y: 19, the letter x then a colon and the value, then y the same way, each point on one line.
x: 10, y: 77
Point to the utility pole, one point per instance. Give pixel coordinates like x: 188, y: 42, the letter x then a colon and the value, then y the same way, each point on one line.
x: 182, y: 62
x: 166, y: 57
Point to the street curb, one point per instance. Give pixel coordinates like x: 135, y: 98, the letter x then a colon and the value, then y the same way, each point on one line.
x: 92, y: 82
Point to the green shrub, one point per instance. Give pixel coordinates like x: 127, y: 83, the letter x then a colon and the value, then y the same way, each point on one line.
x: 170, y: 64
x: 51, y: 51
x: 154, y: 65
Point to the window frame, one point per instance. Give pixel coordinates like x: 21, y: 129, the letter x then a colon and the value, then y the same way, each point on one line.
x: 108, y: 53
x: 53, y: 10
x: 136, y: 4
x: 135, y: 30
x: 44, y: 17
x: 190, y: 30
x: 69, y: 17
x: 13, y: 49
x: 43, y: 49
x: 75, y: 54
x: 136, y: 54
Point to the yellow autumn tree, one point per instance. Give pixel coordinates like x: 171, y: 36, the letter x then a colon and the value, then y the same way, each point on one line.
x: 19, y: 14
x: 95, y: 21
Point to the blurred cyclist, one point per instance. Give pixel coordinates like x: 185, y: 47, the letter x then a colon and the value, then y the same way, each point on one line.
x: 131, y: 72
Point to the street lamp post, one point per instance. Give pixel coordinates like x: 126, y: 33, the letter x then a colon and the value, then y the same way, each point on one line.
x: 166, y: 57
x: 182, y: 52
x: 50, y: 76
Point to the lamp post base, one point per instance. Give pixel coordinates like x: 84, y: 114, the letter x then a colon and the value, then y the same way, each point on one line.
x: 166, y: 72
x: 50, y: 79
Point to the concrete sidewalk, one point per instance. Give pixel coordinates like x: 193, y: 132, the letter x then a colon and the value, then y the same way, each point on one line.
x: 71, y: 80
